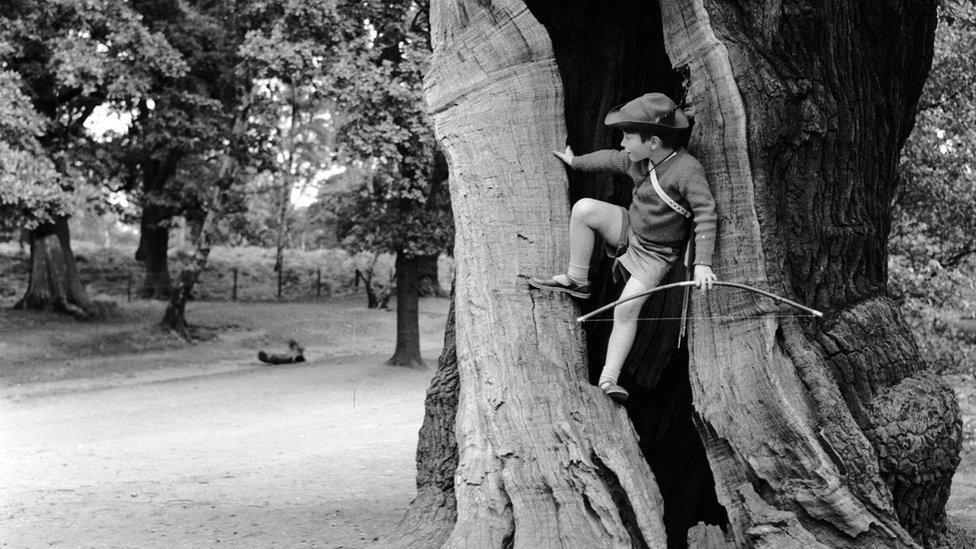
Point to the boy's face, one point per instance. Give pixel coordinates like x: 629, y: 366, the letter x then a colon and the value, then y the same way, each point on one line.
x: 636, y: 149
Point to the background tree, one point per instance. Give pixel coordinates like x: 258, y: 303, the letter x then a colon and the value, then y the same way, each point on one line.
x: 290, y: 52
x: 281, y: 41
x: 817, y: 433
x: 403, y: 208
x: 31, y: 191
x: 177, y: 116
x: 73, y: 57
x: 933, y: 235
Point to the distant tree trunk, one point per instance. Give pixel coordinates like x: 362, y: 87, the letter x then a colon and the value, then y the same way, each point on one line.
x: 408, y: 313
x: 817, y: 433
x: 174, y: 318
x: 427, y: 281
x: 152, y: 251
x: 157, y: 172
x: 54, y: 283
x: 371, y: 300
x: 367, y: 279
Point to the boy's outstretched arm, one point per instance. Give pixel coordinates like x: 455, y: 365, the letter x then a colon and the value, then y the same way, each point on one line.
x: 608, y: 160
x: 566, y: 156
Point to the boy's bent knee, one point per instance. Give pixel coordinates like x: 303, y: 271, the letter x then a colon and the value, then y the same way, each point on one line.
x: 588, y: 209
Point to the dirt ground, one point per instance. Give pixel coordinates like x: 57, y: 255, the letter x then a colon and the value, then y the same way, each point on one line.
x: 117, y: 435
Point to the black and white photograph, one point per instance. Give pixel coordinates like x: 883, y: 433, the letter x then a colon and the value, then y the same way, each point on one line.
x: 487, y: 274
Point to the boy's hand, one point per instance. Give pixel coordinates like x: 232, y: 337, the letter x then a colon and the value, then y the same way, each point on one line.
x: 704, y: 277
x: 566, y: 156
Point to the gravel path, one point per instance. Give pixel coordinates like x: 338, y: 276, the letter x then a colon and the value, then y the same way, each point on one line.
x: 198, y: 452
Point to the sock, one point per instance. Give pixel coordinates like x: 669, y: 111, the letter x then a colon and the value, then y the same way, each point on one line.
x: 579, y: 275
x: 608, y: 376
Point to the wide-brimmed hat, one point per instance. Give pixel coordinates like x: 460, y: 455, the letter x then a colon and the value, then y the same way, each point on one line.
x: 649, y: 112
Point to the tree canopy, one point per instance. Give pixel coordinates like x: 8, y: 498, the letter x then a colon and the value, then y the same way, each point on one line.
x: 403, y: 204
x: 59, y: 61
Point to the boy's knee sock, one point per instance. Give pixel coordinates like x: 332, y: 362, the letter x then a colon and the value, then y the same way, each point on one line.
x: 579, y: 275
x: 609, y: 374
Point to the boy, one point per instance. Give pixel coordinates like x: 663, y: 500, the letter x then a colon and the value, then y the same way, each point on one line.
x: 649, y: 238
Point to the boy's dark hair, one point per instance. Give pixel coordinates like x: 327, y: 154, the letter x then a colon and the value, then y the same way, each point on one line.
x: 669, y: 140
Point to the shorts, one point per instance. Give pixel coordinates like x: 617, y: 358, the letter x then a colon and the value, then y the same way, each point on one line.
x: 649, y: 264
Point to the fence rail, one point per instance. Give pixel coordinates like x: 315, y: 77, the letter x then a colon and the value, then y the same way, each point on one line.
x: 233, y: 284
x: 226, y: 281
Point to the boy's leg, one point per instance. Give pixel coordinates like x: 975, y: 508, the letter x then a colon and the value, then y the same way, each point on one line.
x: 625, y: 318
x: 589, y: 216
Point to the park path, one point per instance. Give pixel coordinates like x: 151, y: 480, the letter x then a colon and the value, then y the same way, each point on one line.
x: 219, y: 453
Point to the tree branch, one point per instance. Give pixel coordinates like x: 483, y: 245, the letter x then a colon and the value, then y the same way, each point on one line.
x: 955, y: 259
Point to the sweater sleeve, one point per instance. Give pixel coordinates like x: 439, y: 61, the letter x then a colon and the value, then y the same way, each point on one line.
x: 695, y: 189
x: 607, y: 160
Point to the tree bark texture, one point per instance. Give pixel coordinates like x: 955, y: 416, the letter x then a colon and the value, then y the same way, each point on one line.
x: 818, y: 432
x: 810, y: 433
x: 54, y: 283
x: 544, y: 458
x: 407, y: 351
x: 431, y: 515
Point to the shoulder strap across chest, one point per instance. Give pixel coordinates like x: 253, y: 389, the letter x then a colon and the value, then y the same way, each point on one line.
x: 664, y: 196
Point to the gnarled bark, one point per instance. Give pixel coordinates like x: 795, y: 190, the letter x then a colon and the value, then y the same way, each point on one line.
x: 431, y: 515
x: 799, y: 139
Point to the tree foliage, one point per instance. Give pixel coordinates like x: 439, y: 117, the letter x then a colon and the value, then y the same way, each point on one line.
x: 933, y: 237
x: 60, y: 60
x: 403, y: 204
x: 31, y: 191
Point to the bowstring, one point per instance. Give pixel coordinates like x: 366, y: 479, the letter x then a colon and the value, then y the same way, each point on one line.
x: 723, y: 317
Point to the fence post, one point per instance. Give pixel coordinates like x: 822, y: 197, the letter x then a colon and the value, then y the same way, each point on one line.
x: 318, y: 282
x: 281, y: 269
x: 233, y: 293
x: 128, y: 288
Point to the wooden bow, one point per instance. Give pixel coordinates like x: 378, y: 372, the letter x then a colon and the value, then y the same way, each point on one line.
x: 686, y: 283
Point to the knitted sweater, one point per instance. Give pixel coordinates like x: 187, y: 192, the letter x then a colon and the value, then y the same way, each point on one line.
x: 651, y: 219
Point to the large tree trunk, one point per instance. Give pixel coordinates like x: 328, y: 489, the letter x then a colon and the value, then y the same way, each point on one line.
x: 54, y: 283
x: 407, y: 351
x: 818, y: 433
x: 545, y: 459
x: 816, y: 427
